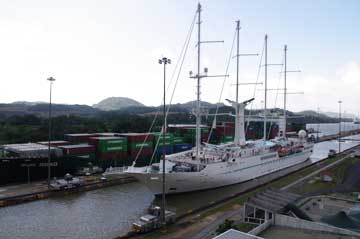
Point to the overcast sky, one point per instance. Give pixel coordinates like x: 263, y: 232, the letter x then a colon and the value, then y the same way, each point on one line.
x: 98, y: 49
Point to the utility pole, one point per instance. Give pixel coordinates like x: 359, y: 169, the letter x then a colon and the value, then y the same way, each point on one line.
x: 164, y: 61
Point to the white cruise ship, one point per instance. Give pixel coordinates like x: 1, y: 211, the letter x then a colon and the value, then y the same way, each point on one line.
x: 209, y: 166
x: 222, y: 165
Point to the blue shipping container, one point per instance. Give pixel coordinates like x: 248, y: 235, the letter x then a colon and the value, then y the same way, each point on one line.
x: 182, y: 147
x: 168, y: 150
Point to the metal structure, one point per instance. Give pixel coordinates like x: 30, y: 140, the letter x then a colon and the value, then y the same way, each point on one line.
x: 339, y: 125
x: 51, y: 80
x: 262, y: 207
x: 164, y: 61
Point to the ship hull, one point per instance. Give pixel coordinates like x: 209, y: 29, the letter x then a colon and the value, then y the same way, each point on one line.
x: 218, y: 175
x: 14, y: 170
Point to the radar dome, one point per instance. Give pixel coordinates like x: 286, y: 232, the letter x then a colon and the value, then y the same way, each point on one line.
x: 302, y: 133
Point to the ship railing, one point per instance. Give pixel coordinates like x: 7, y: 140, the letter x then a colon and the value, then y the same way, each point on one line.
x: 112, y: 170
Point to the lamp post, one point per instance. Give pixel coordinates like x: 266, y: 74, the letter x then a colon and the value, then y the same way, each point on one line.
x: 51, y: 80
x: 339, y: 124
x: 164, y: 61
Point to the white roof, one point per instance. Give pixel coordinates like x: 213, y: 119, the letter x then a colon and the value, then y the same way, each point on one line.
x: 235, y: 234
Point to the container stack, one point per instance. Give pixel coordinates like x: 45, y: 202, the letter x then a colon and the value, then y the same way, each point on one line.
x: 78, y: 138
x: 32, y: 150
x: 106, y: 134
x: 110, y: 151
x: 77, y: 150
x: 188, y: 132
x: 168, y: 147
x: 139, y: 143
x: 180, y: 145
x: 56, y: 143
x: 190, y: 135
x: 108, y: 148
x: 225, y: 132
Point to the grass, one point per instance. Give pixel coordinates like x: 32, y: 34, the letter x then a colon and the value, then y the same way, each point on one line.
x: 245, y: 227
x: 338, y: 175
x: 340, y: 170
x: 315, y: 186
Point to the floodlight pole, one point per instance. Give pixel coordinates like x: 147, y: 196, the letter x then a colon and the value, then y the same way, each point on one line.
x: 51, y: 80
x: 339, y: 125
x: 164, y: 61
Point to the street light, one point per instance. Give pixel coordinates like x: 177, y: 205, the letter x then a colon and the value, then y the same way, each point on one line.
x: 51, y: 80
x: 339, y: 125
x: 164, y: 61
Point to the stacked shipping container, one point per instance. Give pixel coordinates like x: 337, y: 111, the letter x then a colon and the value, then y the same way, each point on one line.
x: 168, y: 147
x: 110, y: 151
x: 139, y: 144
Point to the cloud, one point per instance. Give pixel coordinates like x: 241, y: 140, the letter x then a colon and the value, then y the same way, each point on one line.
x: 341, y: 84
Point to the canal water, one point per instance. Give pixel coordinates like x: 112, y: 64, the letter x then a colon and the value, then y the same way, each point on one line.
x: 109, y: 212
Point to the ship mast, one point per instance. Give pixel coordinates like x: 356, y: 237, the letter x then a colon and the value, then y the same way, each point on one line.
x: 198, y: 77
x: 239, y: 137
x: 237, y: 130
x: 198, y: 103
x: 285, y: 71
x: 265, y: 96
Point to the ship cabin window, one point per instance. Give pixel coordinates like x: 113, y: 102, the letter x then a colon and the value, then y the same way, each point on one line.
x: 172, y: 189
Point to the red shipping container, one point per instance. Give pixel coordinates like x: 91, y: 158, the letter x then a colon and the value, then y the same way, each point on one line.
x: 111, y: 155
x: 204, y: 137
x: 144, y: 152
x: 78, y: 138
x: 224, y: 131
x: 81, y: 149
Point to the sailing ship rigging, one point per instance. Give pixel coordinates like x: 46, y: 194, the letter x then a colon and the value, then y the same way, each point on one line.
x: 209, y: 166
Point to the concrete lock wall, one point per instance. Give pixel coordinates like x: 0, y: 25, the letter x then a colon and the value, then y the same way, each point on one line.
x: 259, y: 229
x: 282, y: 220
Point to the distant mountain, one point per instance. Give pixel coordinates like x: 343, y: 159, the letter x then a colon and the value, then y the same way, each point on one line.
x: 42, y: 109
x: 28, y: 102
x: 117, y: 103
x: 192, y: 104
x: 336, y: 115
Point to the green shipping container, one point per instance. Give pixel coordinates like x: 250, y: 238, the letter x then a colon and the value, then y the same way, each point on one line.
x: 169, y: 139
x: 226, y: 139
x: 193, y: 131
x: 113, y: 145
x: 138, y: 145
x: 178, y: 140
